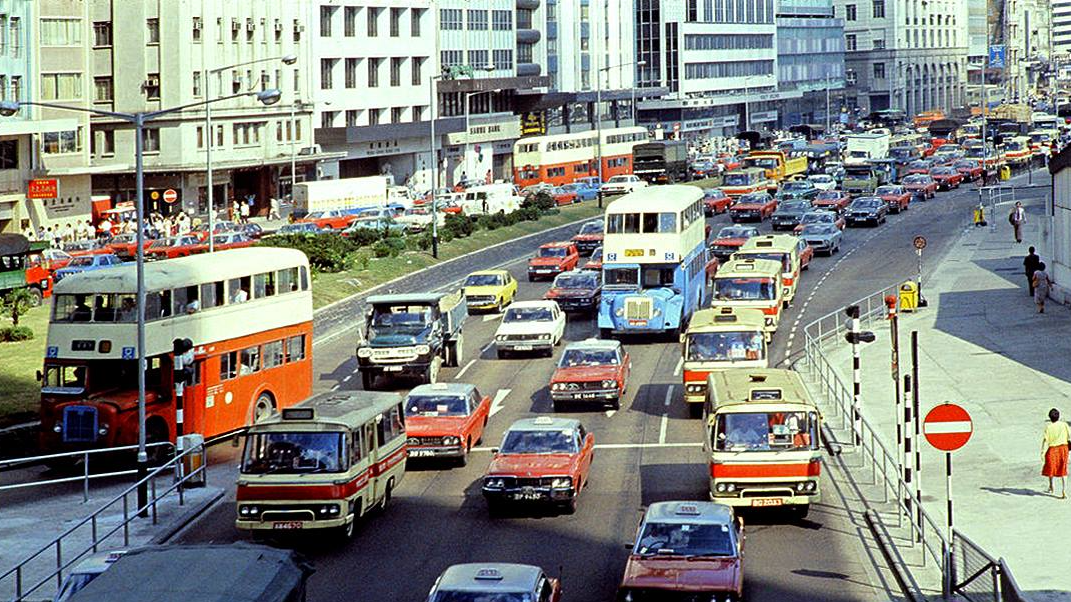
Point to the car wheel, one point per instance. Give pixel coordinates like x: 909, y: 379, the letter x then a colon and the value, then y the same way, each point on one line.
x: 570, y: 506
x: 463, y: 460
x: 501, y: 354
x: 558, y: 406
x: 615, y: 403
x: 531, y: 278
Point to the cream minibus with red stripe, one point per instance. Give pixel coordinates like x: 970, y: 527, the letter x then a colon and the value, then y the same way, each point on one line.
x: 754, y: 283
x: 323, y: 463
x: 762, y: 436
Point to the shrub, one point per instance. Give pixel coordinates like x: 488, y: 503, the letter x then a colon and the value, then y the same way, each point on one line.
x: 541, y: 200
x: 326, y: 252
x: 381, y: 249
x: 459, y: 226
x: 11, y: 334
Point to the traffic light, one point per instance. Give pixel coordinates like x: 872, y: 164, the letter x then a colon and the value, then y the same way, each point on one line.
x: 852, y: 311
x: 859, y: 337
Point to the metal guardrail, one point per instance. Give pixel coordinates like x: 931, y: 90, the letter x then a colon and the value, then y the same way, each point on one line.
x: 86, y: 475
x: 966, y: 568
x: 176, y: 468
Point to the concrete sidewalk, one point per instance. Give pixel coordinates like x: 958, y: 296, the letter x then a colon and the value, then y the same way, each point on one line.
x: 982, y: 345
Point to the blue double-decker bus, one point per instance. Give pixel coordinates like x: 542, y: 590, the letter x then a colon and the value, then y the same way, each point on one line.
x: 655, y: 265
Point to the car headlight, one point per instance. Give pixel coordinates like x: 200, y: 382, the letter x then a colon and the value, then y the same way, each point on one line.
x: 696, y: 388
x: 364, y: 352
x: 500, y: 337
x: 620, y: 312
x: 58, y: 428
x: 720, y: 488
x: 657, y: 312
x: 103, y: 429
x: 328, y: 509
x: 557, y: 386
x: 423, y: 349
x: 606, y: 384
x: 451, y: 440
x: 731, y: 487
x: 561, y: 483
x: 769, y: 321
x: 801, y: 486
x: 545, y: 336
x: 494, y: 483
x: 812, y: 485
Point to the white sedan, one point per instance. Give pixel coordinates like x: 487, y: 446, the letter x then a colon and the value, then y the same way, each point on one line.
x: 530, y: 326
x: 823, y: 181
x: 623, y: 184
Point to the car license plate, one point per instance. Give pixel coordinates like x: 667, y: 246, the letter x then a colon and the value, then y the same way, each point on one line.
x: 766, y: 501
x: 587, y: 396
x: 420, y: 453
x: 392, y: 368
x: 637, y: 322
x: 523, y: 347
x: 289, y: 524
x: 527, y: 493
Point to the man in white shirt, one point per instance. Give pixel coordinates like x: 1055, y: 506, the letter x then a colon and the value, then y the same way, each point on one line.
x: 1017, y: 219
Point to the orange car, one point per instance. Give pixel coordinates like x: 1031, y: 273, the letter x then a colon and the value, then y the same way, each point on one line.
x: 332, y: 219
x: 754, y: 207
x: 542, y: 460
x: 170, y: 248
x: 445, y: 420
x: 592, y: 371
x: 552, y: 259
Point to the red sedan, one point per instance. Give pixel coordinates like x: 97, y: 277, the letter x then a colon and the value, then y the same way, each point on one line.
x: 832, y: 200
x: 896, y: 196
x: 921, y: 183
x: 970, y: 169
x: 592, y: 371
x: 946, y: 177
x: 445, y: 420
x: 715, y: 201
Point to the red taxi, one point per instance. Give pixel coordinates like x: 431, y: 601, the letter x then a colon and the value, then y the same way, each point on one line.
x: 595, y: 261
x: 126, y: 245
x: 922, y: 166
x: 576, y: 290
x: 79, y: 248
x: 564, y: 196
x: 222, y: 242
x: 445, y: 420
x: 589, y: 237
x: 946, y: 177
x: 542, y: 460
x: 715, y: 201
x: 970, y: 169
x: 170, y: 248
x: 729, y: 239
x: 591, y: 371
x: 686, y: 551
x: 495, y: 582
x: 332, y: 219
x: 921, y: 184
x: 832, y: 200
x: 552, y: 259
x: 897, y: 197
x: 756, y: 206
x: 56, y: 258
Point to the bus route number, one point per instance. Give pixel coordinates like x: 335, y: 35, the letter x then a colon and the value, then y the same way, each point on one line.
x: 633, y: 252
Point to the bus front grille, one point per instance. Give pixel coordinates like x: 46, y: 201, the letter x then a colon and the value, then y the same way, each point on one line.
x: 79, y: 424
x: 638, y: 308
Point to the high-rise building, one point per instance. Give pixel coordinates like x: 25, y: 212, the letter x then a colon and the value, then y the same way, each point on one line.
x: 910, y: 56
x: 1024, y: 30
x: 1061, y: 30
x: 810, y: 59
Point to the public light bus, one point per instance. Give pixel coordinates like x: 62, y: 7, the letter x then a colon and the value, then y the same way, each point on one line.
x: 751, y: 283
x: 563, y: 158
x: 322, y: 464
x: 247, y: 312
x: 655, y: 265
x: 762, y: 436
x: 782, y: 248
x: 720, y: 338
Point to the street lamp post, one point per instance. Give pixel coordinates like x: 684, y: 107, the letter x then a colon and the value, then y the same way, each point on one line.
x: 747, y: 103
x: 433, y: 102
x: 598, y: 114
x: 9, y: 108
x: 288, y: 59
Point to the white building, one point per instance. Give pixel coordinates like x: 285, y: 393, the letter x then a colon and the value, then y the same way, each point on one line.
x: 588, y: 37
x: 1061, y: 29
x: 1025, y: 32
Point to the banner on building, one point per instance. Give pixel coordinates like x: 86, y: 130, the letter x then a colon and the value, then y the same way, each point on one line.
x: 996, y: 56
x: 42, y: 189
x: 533, y: 123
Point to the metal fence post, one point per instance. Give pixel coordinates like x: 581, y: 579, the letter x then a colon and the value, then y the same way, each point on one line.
x: 59, y: 563
x: 85, y: 480
x: 93, y: 527
x: 126, y: 521
x: 152, y: 481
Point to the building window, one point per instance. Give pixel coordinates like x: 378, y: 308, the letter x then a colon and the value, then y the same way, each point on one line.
x: 298, y: 28
x: 849, y: 42
x: 326, y: 12
x: 278, y: 30
x: 849, y: 12
x: 502, y: 20
x: 152, y: 31
x: 396, y: 22
x: 351, y: 73
x: 415, y: 15
x: 879, y: 9
x: 451, y: 58
x: 57, y: 143
x: 326, y: 68
x: 450, y: 18
x: 197, y: 84
x: 61, y: 86
x: 478, y: 59
x: 373, y: 72
x: 196, y: 31
x: 102, y: 143
x: 16, y: 36
x: 397, y: 114
x: 351, y: 118
x: 879, y: 44
x: 693, y: 10
x: 349, y: 21
x: 524, y: 53
x: 879, y: 70
x: 418, y: 112
x: 219, y: 136
x: 16, y: 88
x: 477, y: 19
x: 152, y: 86
x: 200, y: 136
x: 503, y: 60
x: 297, y: 81
x: 418, y: 71
x: 56, y: 32
x: 102, y: 33
x: 102, y: 89
x: 150, y: 140
x: 373, y: 116
x: 396, y: 71
x: 373, y: 21
x: 327, y: 119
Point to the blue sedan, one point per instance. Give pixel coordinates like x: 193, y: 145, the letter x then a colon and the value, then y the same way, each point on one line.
x: 87, y: 263
x: 584, y: 190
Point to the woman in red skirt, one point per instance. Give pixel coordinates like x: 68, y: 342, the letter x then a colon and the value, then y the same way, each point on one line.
x: 1054, y: 451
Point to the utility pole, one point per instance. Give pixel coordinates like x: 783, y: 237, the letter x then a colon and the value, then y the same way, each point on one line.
x: 827, y: 102
x: 915, y: 420
x: 855, y: 336
x: 894, y: 336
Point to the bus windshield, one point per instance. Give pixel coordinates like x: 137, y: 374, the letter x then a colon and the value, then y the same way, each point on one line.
x: 783, y: 258
x: 737, y: 179
x: 621, y: 277
x: 294, y: 453
x: 744, y: 289
x: 765, y: 431
x: 724, y: 346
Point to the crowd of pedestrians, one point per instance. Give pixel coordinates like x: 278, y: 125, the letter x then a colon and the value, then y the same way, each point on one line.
x: 157, y: 225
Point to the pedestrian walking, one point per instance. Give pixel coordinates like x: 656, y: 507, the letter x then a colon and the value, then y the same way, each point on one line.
x: 1054, y: 451
x: 273, y: 208
x: 244, y: 211
x: 1017, y: 218
x: 1030, y: 265
x: 1042, y: 284
x: 29, y: 233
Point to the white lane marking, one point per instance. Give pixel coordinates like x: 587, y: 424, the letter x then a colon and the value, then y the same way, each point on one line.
x: 490, y: 317
x: 622, y: 446
x: 662, y: 428
x: 497, y: 402
x: 610, y: 413
x: 669, y: 395
x: 335, y: 388
x: 347, y: 378
x: 465, y: 369
x: 484, y: 349
x: 680, y: 364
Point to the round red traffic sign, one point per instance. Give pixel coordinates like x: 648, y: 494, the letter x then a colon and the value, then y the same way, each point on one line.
x: 920, y: 242
x: 170, y: 196
x: 948, y: 427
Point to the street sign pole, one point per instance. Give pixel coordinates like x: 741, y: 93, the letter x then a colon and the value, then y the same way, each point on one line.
x: 948, y: 491
x: 916, y: 422
x: 948, y: 427
x: 894, y: 337
x: 905, y: 461
x: 920, y: 244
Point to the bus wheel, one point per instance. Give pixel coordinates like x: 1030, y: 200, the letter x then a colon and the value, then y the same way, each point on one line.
x: 432, y: 375
x: 800, y: 512
x: 368, y: 381
x: 695, y: 410
x: 36, y: 297
x: 456, y: 351
x: 264, y: 408
x: 386, y: 495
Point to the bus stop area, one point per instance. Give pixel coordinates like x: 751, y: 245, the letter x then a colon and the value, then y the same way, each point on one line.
x: 983, y: 345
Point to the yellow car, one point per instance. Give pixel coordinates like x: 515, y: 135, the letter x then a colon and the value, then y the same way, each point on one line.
x: 490, y: 290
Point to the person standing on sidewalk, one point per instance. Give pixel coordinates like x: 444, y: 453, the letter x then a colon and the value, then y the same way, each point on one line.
x: 1031, y: 263
x: 1042, y: 283
x: 1017, y: 218
x: 1054, y: 451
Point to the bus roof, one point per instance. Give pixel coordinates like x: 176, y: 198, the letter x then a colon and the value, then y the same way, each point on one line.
x: 183, y: 271
x: 675, y: 197
x: 727, y: 317
x: 757, y: 386
x: 749, y: 267
x: 347, y: 408
x: 785, y: 243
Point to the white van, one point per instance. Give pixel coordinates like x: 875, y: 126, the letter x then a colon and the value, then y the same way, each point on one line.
x: 491, y: 198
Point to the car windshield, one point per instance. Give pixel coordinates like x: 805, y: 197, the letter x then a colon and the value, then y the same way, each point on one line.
x: 737, y: 179
x: 687, y: 539
x: 735, y: 232
x: 493, y: 596
x: 765, y: 431
x: 528, y: 314
x: 821, y: 178
x: 763, y: 163
x: 888, y: 190
x: 591, y: 228
x: 84, y: 261
x: 588, y: 280
x: 744, y: 289
x: 944, y: 171
x: 829, y: 195
x: 618, y: 179
x: 588, y: 357
x: 552, y: 251
x: 724, y: 346
x: 401, y: 317
x: 866, y: 203
x: 483, y: 280
x: 316, y: 215
x: 798, y: 186
x: 915, y: 179
x: 596, y: 255
x: 818, y: 230
x: 544, y: 441
x: 758, y: 199
x: 817, y: 218
x: 795, y: 206
x: 436, y: 405
x: 294, y: 453
x: 714, y: 193
x: 965, y: 165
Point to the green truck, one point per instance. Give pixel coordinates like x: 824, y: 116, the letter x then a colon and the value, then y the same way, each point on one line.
x: 861, y: 179
x: 22, y: 266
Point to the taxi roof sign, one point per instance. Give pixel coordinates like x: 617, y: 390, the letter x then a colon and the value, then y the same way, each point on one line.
x: 489, y: 574
x: 725, y: 318
x: 765, y: 395
x: 544, y: 420
x: 299, y: 414
x: 688, y: 509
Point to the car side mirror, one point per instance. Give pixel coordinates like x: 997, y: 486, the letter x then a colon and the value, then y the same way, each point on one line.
x: 40, y: 377
x: 234, y: 441
x: 494, y: 450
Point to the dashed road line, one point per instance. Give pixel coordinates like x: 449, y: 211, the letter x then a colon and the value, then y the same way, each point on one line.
x: 347, y: 378
x: 669, y: 395
x: 680, y: 364
x: 662, y: 428
x: 464, y: 370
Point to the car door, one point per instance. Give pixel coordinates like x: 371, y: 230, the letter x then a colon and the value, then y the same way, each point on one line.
x: 586, y: 444
x: 511, y: 287
x: 559, y: 320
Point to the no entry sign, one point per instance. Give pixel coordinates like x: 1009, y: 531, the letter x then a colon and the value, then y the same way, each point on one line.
x: 948, y: 427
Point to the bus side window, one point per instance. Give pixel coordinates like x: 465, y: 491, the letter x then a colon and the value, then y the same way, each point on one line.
x: 304, y: 278
x: 228, y: 365
x: 369, y: 439
x: 212, y: 294
x: 357, y: 449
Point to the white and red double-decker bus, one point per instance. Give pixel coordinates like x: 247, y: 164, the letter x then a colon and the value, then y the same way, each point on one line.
x: 564, y: 158
x: 247, y: 312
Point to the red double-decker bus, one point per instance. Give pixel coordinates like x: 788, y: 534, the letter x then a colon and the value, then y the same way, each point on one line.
x: 248, y: 313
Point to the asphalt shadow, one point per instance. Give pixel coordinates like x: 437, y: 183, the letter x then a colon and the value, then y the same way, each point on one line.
x: 1022, y: 491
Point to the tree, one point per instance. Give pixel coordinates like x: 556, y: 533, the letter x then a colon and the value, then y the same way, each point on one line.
x: 16, y: 302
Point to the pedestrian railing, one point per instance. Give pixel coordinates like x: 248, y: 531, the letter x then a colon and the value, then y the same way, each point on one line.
x: 54, y: 558
x: 73, y: 457
x: 966, y: 569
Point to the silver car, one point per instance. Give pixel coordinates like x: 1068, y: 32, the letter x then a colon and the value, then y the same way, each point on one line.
x: 823, y: 238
